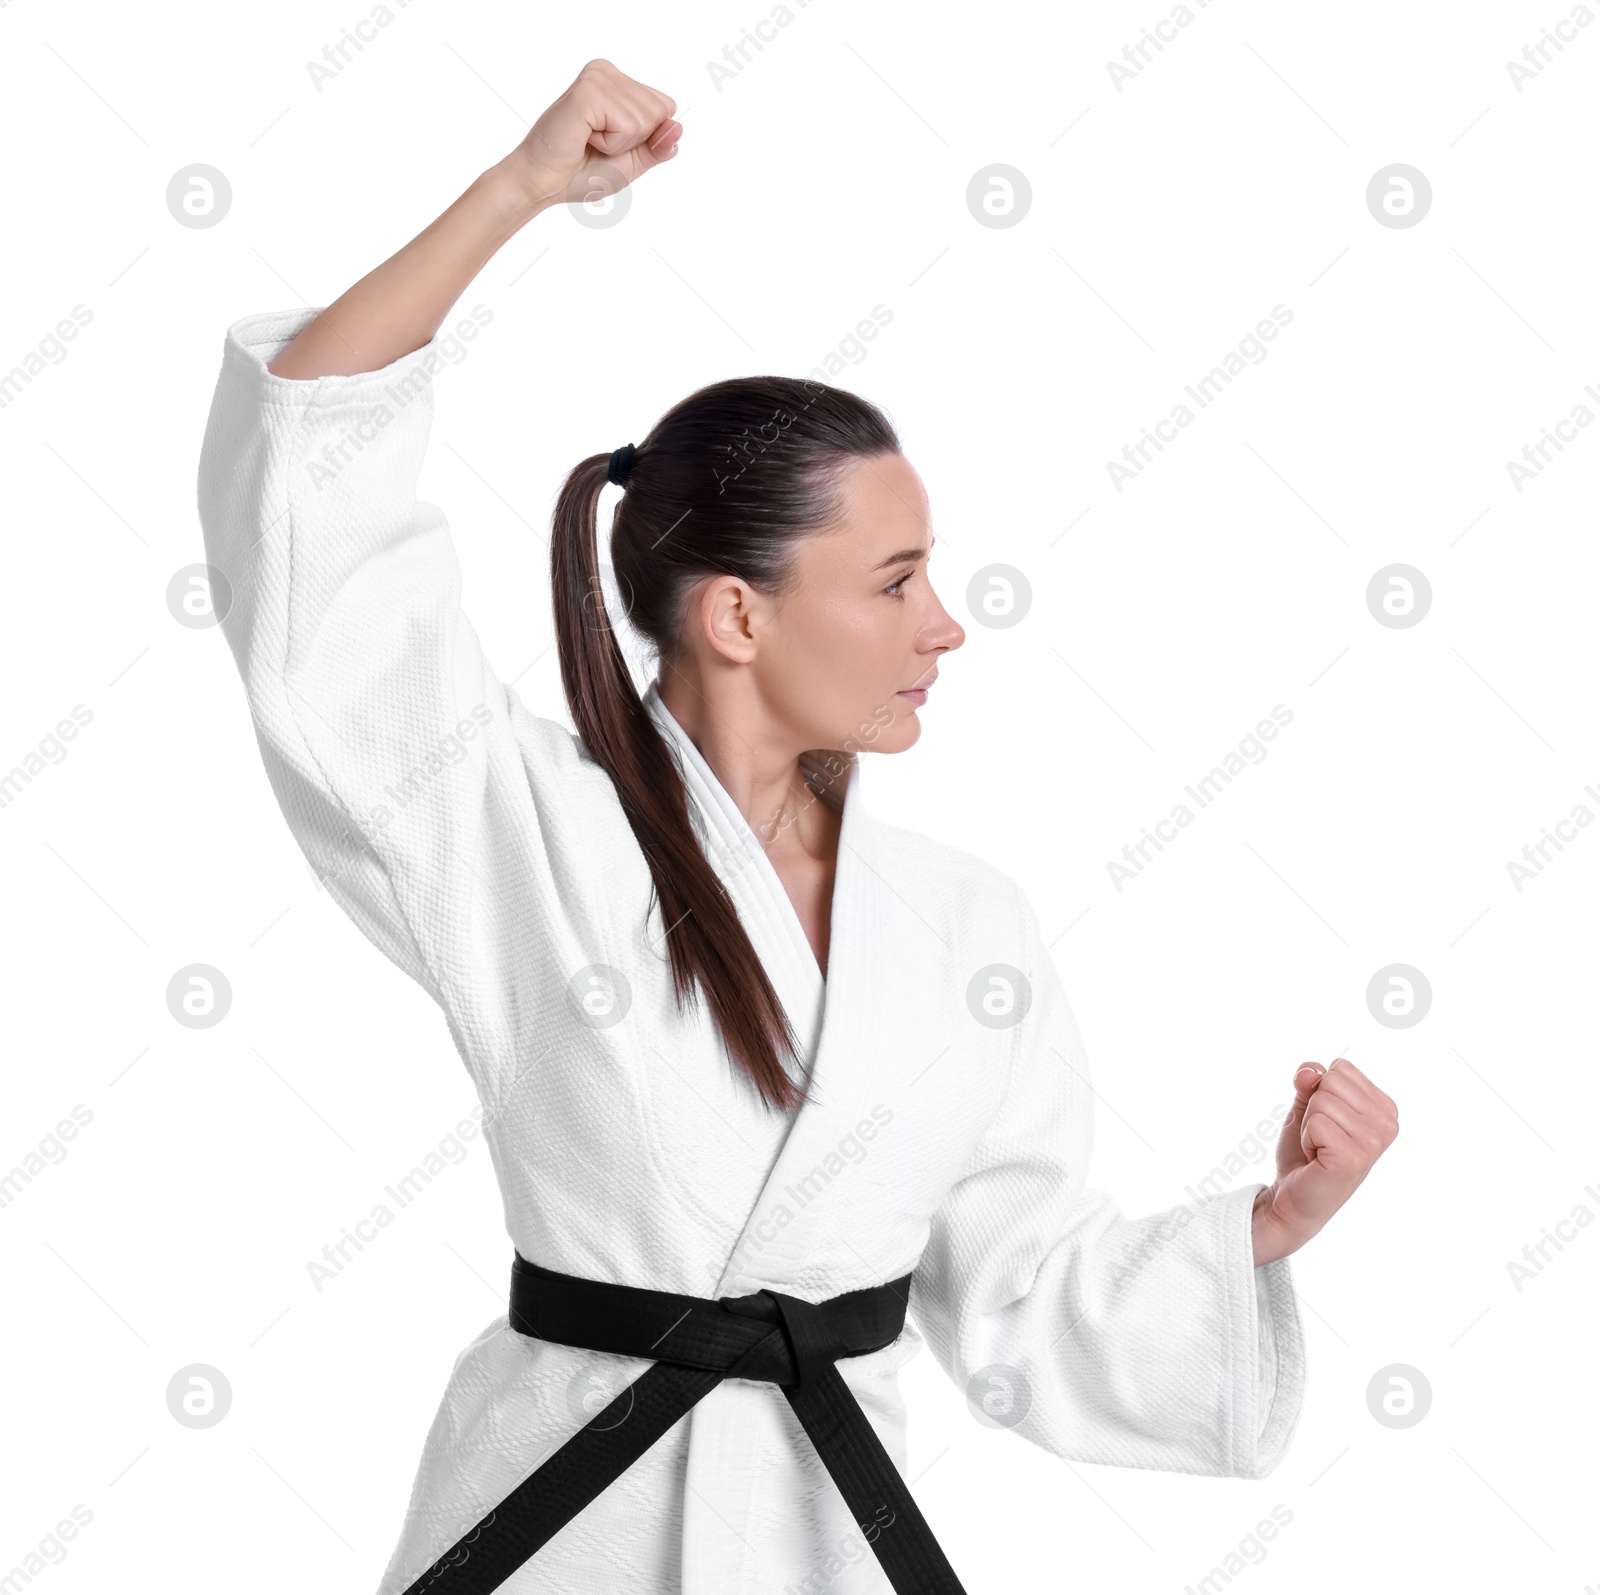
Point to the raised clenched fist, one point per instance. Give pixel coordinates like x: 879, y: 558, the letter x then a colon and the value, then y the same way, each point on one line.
x: 603, y: 133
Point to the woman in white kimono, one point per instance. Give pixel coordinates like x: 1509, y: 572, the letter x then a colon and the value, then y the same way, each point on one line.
x: 761, y: 1071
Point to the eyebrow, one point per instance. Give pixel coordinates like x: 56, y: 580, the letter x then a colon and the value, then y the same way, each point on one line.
x: 903, y: 556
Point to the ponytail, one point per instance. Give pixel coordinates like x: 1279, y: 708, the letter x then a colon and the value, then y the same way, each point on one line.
x: 705, y: 939
x: 703, y: 495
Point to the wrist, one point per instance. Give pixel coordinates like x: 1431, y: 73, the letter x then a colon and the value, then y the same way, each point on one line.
x: 518, y: 190
x: 1261, y: 1240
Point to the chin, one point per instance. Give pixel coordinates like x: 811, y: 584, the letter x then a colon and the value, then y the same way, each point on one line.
x: 903, y: 733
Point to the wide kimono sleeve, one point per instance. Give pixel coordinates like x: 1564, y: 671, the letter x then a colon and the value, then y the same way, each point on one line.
x: 387, y: 738
x: 1152, y: 1342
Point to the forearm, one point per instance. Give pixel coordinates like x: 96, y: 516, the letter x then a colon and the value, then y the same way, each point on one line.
x: 1260, y: 1240
x: 398, y: 306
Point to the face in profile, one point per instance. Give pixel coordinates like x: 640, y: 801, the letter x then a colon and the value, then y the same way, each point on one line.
x: 846, y: 657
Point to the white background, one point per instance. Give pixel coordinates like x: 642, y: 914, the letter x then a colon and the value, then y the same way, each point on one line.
x: 829, y: 175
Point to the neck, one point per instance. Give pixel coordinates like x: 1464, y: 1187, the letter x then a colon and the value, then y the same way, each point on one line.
x: 791, y: 797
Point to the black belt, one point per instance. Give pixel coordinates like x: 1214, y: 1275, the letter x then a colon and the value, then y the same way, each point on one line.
x: 698, y: 1342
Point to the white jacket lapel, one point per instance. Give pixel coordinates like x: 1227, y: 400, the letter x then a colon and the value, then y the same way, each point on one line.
x: 783, y: 1239
x: 736, y: 853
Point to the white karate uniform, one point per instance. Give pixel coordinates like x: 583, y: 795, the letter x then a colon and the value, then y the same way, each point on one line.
x: 487, y: 855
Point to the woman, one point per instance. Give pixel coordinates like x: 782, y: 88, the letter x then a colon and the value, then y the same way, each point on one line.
x: 760, y: 1070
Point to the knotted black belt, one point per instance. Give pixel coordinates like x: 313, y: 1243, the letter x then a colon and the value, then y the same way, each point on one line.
x: 698, y: 1342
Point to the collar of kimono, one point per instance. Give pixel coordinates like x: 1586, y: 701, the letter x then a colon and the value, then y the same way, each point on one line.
x: 736, y: 850
x: 849, y: 1060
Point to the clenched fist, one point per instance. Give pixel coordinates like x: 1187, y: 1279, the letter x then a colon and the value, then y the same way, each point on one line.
x: 1339, y: 1126
x: 605, y: 132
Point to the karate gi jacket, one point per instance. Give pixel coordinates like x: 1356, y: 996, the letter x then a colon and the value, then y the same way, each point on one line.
x: 483, y: 850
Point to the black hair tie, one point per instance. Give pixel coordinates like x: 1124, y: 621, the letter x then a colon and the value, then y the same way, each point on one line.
x: 621, y: 464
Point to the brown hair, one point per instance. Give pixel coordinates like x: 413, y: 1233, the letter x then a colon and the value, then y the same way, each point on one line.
x: 727, y: 482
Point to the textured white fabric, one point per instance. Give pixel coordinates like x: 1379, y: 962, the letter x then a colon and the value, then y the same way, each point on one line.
x: 485, y: 853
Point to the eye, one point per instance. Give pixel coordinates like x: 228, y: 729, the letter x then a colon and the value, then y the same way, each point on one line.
x: 898, y: 583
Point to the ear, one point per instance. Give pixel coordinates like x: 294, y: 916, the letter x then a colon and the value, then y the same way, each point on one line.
x: 731, y: 616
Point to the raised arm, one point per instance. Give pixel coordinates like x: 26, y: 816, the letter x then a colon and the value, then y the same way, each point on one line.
x: 602, y: 134
x: 424, y: 796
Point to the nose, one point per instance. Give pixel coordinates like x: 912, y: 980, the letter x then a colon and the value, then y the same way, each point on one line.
x: 944, y: 633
